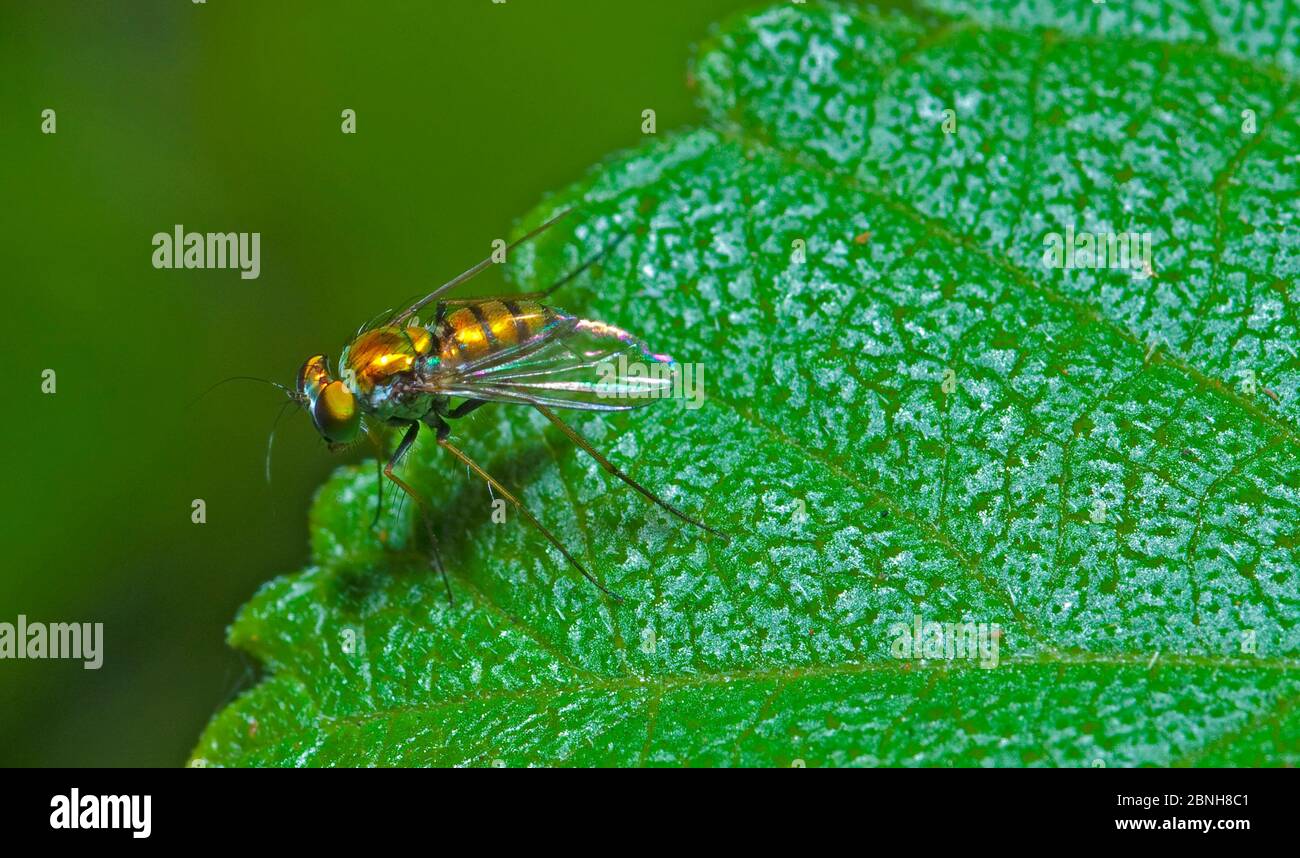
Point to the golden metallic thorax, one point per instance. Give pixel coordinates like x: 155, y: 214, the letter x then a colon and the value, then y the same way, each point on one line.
x: 376, y: 357
x: 393, y: 370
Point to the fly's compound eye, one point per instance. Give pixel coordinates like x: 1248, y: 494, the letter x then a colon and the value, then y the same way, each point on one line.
x: 334, y: 411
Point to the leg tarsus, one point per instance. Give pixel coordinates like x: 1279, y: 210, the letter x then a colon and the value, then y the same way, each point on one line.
x: 610, y: 467
x: 377, y: 440
x: 435, y: 557
x: 568, y: 278
x: 379, y: 487
x: 523, y: 510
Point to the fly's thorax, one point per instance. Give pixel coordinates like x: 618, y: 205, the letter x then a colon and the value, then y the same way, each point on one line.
x: 383, y: 355
x: 376, y: 365
x: 394, y: 402
x: 480, y: 328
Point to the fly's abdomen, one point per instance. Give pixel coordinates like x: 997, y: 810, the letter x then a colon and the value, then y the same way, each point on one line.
x: 476, y: 330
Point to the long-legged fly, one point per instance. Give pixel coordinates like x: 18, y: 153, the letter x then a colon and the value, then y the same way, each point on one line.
x: 509, y: 349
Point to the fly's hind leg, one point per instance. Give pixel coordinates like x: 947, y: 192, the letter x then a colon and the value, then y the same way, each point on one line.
x: 540, y: 293
x: 443, y: 430
x: 613, y: 469
x: 413, y: 430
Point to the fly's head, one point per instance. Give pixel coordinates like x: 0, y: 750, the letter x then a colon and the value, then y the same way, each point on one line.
x: 333, y: 407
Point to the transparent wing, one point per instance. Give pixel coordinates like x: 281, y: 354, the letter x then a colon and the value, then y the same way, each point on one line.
x: 573, y: 363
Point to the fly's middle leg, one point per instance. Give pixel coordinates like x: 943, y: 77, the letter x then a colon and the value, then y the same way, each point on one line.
x: 444, y: 430
x: 412, y: 431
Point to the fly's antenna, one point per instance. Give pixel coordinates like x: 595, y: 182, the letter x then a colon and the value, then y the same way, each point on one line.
x: 291, y: 393
x: 270, y: 439
x: 294, y: 398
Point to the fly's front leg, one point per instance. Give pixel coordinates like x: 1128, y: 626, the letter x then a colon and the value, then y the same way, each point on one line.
x: 380, y: 454
x: 412, y: 431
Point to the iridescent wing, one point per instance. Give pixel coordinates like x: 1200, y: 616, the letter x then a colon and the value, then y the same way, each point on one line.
x: 571, y: 363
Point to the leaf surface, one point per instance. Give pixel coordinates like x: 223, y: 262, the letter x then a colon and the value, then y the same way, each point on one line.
x: 1096, y: 478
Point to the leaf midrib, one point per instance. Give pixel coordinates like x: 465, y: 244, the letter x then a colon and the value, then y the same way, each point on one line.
x: 673, y: 682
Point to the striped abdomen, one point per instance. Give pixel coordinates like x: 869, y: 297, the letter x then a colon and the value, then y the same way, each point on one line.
x: 475, y: 330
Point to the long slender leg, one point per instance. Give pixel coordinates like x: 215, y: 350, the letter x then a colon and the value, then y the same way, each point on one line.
x: 541, y: 293
x: 613, y: 469
x: 523, y: 510
x: 407, y: 440
x: 381, y: 453
x: 473, y: 271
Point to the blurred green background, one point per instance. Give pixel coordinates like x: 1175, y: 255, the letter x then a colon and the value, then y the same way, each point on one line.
x: 225, y: 116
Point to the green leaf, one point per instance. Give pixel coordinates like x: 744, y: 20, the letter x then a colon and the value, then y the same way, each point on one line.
x: 1097, y: 478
